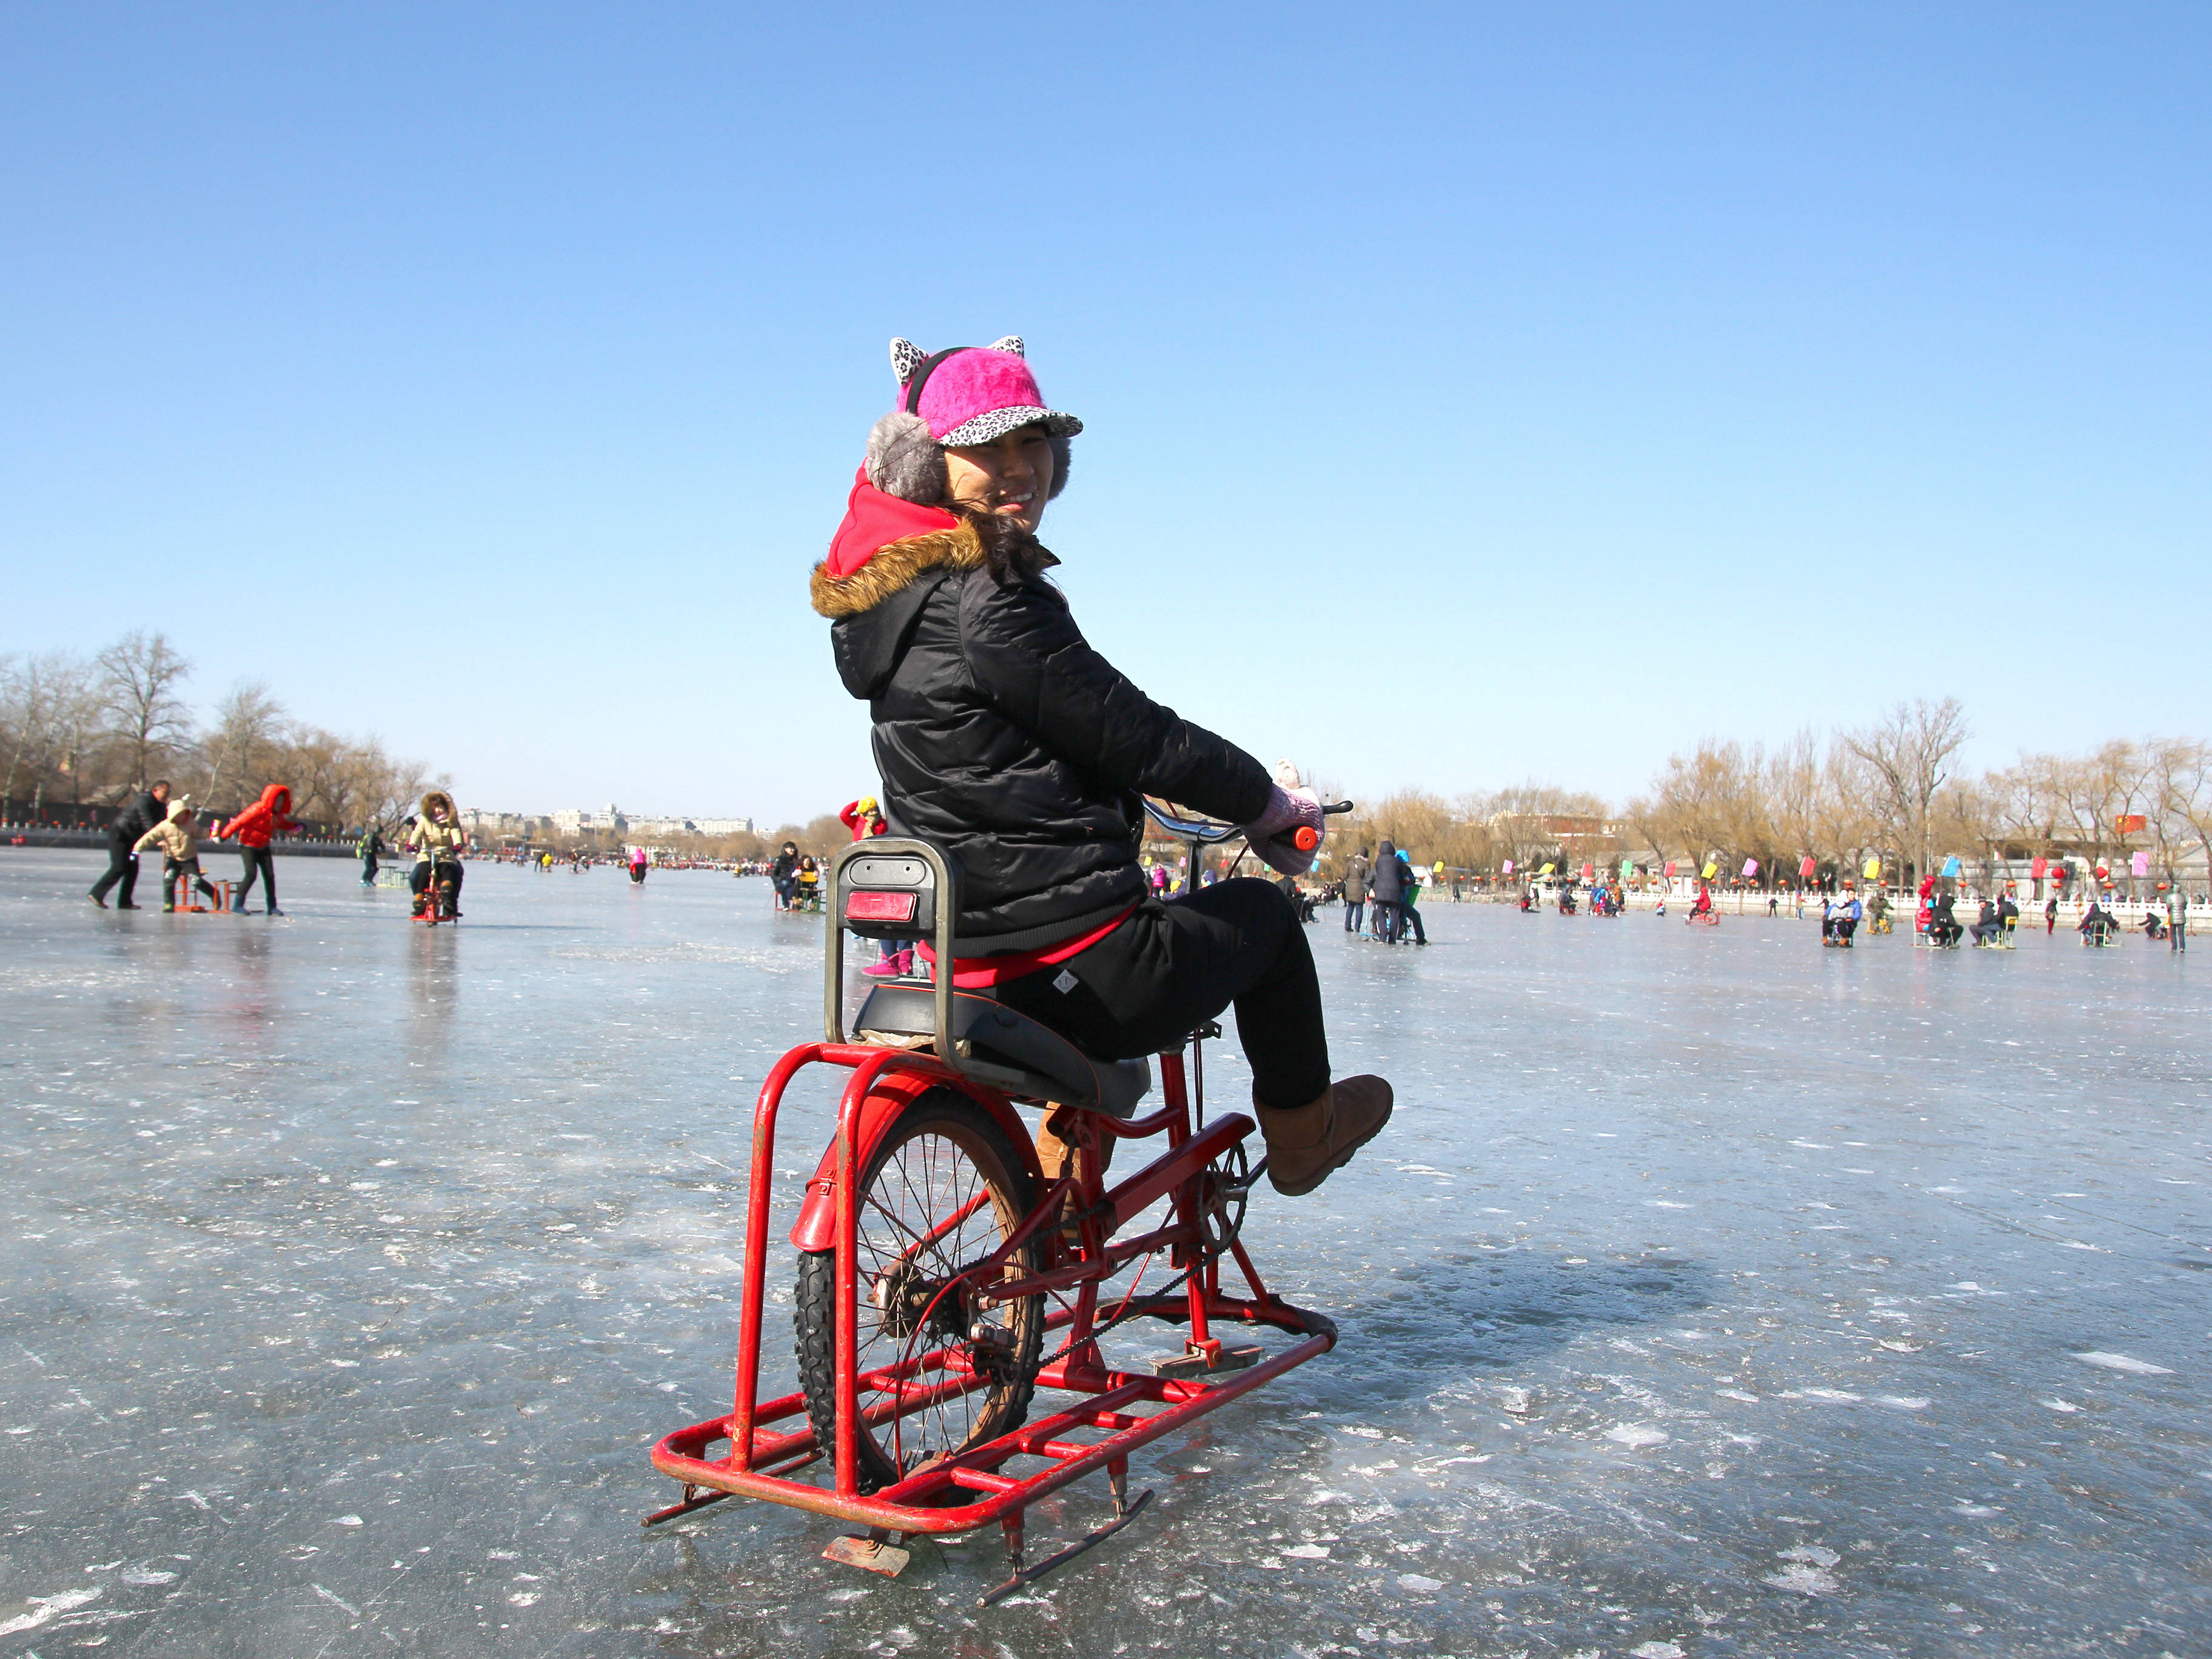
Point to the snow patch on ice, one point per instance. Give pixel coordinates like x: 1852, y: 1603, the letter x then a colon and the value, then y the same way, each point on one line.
x: 2121, y: 1361
x: 1806, y: 1571
x: 37, y: 1609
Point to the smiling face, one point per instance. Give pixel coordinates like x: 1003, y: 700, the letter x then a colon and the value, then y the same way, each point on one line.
x: 1009, y: 479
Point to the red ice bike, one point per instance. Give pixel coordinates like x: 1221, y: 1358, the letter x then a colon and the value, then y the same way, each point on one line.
x: 439, y: 900
x: 944, y: 1282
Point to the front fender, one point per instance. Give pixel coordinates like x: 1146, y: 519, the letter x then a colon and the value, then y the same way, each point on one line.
x: 894, y: 1090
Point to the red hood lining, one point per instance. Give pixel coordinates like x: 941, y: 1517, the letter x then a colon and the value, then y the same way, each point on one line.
x: 874, y: 521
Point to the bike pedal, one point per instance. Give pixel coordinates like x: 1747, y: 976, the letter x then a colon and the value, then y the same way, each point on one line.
x: 869, y: 1553
x: 1195, y: 1364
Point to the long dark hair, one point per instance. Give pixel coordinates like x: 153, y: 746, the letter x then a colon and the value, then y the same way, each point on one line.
x: 1011, y: 553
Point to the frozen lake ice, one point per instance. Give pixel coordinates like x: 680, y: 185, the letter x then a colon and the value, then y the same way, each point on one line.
x: 1709, y: 1294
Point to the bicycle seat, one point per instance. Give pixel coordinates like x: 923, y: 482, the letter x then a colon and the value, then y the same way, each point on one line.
x: 1009, y: 1050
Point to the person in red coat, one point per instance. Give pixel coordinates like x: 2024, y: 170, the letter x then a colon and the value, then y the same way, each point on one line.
x: 269, y: 817
x: 865, y: 818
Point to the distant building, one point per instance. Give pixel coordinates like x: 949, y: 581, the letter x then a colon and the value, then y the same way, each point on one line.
x: 574, y: 821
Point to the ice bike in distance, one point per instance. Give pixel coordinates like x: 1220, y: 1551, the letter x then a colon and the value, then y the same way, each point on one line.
x: 946, y: 1279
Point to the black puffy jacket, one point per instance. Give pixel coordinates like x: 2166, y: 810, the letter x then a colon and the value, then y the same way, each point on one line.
x: 1003, y: 738
x: 135, y: 820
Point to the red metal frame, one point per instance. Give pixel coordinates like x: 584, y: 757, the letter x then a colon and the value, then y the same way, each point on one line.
x: 761, y: 1458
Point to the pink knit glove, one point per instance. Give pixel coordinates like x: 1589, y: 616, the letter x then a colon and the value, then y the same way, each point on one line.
x: 1269, y: 834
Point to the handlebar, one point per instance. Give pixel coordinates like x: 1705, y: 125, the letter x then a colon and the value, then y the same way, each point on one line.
x: 1208, y: 833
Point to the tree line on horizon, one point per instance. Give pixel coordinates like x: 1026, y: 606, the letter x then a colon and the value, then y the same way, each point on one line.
x: 86, y: 730
x: 1891, y: 789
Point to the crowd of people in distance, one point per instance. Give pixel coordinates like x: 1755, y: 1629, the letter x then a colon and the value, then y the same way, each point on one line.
x: 1381, y: 893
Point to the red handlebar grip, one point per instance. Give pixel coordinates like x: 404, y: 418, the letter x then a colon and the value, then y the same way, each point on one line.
x: 1306, y: 839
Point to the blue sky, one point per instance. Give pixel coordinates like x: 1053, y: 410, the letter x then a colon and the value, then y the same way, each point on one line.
x: 1473, y: 393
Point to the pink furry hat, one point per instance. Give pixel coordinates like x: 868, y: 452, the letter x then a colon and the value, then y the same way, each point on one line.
x: 969, y: 395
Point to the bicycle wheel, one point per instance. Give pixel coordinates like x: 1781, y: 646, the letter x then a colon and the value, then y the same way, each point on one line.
x: 940, y: 1196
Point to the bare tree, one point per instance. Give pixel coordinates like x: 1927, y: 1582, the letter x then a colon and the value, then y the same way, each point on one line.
x: 2182, y: 768
x: 139, y: 678
x: 49, y: 704
x: 249, y: 725
x: 393, y: 788
x: 1911, y: 753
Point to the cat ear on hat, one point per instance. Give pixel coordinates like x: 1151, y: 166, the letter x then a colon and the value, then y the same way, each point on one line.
x: 906, y: 357
x: 1011, y: 342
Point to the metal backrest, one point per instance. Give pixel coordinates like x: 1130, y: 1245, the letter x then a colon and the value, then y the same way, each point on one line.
x: 891, y: 887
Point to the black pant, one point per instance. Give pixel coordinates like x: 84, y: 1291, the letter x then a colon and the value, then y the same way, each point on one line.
x: 420, y: 881
x: 368, y: 869
x: 261, y: 862
x: 1409, y: 915
x: 188, y: 872
x: 122, y: 867
x: 1388, y: 923
x: 1355, y: 915
x: 1148, y: 984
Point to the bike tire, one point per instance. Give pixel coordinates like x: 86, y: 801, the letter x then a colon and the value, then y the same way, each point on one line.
x: 956, y: 1150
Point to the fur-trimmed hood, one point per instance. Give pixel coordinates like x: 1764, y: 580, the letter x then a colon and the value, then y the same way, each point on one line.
x: 893, y: 567
x: 888, y: 557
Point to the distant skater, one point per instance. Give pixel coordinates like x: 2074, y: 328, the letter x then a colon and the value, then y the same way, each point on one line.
x: 254, y: 827
x: 2050, y: 916
x: 1386, y: 893
x: 1355, y: 891
x: 2177, y: 922
x: 372, y: 844
x: 1409, y: 901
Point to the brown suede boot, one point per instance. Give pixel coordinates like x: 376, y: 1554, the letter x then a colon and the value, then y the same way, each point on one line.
x: 1305, y: 1143
x: 1061, y: 1157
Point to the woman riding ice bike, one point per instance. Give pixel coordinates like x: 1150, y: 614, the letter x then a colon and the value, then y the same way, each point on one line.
x: 1002, y: 737
x: 1014, y: 761
x: 438, y: 842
